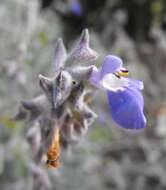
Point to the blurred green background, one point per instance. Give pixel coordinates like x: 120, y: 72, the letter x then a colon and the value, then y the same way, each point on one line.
x: 108, y: 157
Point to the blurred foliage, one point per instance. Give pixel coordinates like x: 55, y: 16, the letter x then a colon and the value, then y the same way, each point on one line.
x: 7, y: 121
x: 100, y: 134
x: 140, y: 15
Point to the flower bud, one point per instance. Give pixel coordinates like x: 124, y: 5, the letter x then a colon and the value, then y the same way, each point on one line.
x: 82, y: 53
x: 60, y: 55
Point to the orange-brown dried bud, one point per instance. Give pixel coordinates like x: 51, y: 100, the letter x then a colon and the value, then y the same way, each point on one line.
x: 53, y: 153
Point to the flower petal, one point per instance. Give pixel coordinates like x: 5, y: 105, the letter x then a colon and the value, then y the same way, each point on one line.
x: 127, y: 108
x: 113, y: 83
x: 136, y: 83
x: 110, y: 65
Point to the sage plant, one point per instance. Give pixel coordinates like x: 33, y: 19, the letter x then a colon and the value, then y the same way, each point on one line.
x: 62, y: 113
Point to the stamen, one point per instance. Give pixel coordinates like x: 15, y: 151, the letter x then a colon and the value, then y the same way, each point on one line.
x: 123, y: 72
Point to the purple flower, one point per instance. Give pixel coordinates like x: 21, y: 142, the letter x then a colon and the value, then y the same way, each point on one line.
x: 124, y: 94
x: 75, y: 7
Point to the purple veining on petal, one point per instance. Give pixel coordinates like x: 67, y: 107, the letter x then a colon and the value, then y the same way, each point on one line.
x: 127, y: 108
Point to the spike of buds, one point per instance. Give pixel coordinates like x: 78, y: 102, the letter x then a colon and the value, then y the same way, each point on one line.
x: 63, y: 105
